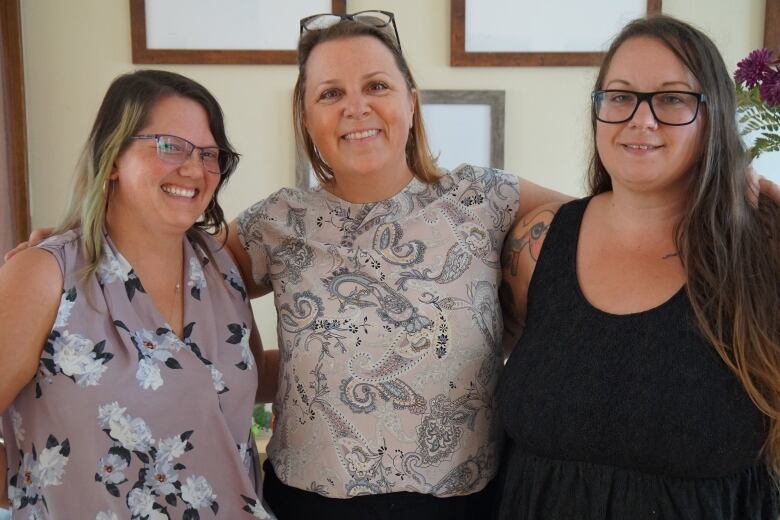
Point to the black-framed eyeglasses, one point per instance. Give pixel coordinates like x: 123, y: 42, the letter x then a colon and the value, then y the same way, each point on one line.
x: 177, y: 150
x: 669, y: 107
x: 378, y: 19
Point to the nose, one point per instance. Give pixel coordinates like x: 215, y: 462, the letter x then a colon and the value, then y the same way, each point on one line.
x: 193, y: 165
x: 643, y: 116
x: 356, y: 106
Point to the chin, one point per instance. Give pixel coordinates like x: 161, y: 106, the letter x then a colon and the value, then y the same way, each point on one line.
x: 180, y: 225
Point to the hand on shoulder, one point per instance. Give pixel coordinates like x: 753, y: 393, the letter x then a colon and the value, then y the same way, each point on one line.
x: 36, y: 237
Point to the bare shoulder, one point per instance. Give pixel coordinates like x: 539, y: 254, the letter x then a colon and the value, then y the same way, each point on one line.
x: 32, y: 270
x: 33, y: 281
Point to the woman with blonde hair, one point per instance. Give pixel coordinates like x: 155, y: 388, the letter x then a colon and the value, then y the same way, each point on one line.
x: 127, y: 359
x: 385, y: 279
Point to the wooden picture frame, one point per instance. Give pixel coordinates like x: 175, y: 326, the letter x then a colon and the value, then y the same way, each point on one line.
x: 460, y: 57
x: 482, y: 121
x: 142, y: 54
x: 772, y: 25
x: 14, y: 154
x: 471, y: 119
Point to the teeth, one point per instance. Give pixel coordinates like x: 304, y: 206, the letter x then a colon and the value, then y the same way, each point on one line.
x: 640, y: 146
x: 179, y: 192
x: 361, y: 135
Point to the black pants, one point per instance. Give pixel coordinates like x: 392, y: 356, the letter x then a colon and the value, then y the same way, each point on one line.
x: 289, y: 503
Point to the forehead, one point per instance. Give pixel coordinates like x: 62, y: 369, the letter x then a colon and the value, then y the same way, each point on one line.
x: 181, y: 116
x: 647, y: 63
x: 335, y: 59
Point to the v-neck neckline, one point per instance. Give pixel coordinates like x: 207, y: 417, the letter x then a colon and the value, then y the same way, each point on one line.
x: 160, y: 321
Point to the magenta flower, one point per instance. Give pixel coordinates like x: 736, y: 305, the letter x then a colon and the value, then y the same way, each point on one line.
x: 770, y: 88
x: 751, y: 70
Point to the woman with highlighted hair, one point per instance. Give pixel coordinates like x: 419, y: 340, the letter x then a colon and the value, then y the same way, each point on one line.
x: 128, y: 356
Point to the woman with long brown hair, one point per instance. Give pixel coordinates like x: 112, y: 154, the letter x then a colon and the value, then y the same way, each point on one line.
x: 647, y: 380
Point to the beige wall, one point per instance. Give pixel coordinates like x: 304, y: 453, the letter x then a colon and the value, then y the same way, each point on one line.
x: 73, y: 48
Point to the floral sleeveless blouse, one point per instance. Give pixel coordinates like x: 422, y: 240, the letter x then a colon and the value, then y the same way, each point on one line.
x: 390, y: 333
x: 126, y: 420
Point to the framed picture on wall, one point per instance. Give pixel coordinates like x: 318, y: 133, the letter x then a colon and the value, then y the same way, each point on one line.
x: 772, y: 25
x: 462, y: 126
x: 235, y: 32
x: 465, y: 126
x: 510, y: 33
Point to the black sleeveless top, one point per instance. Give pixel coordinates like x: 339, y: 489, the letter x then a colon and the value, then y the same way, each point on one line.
x: 623, y: 417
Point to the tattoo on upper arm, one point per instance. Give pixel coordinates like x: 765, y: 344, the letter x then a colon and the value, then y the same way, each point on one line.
x: 529, y: 243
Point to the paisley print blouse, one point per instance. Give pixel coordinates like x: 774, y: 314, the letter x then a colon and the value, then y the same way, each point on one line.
x: 126, y: 420
x: 389, y: 331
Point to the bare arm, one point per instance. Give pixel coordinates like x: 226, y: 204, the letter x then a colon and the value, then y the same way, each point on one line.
x: 33, y: 282
x: 267, y: 368
x: 518, y: 260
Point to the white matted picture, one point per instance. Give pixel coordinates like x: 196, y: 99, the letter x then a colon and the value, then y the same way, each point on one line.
x: 462, y: 126
x: 534, y: 33
x: 233, y: 31
x: 465, y: 126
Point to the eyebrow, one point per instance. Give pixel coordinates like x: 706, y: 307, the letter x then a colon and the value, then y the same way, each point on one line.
x: 664, y: 84
x: 364, y: 77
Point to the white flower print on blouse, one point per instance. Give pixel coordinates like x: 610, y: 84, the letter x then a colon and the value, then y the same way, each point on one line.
x: 239, y: 335
x: 67, y: 301
x: 148, y: 375
x: 197, y: 280
x: 171, y: 448
x: 111, y: 469
x: 245, y: 454
x: 74, y: 356
x: 141, y: 502
x: 157, y: 347
x: 51, y: 466
x: 153, y: 347
x: 115, y: 268
x: 131, y: 433
x: 236, y: 282
x: 160, y: 476
x: 16, y: 423
x: 112, y: 268
x: 254, y: 508
x: 217, y: 379
x: 197, y: 492
x: 37, y: 471
x: 106, y: 515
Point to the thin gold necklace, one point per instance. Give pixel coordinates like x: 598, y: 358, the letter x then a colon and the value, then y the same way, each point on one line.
x: 176, y: 299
